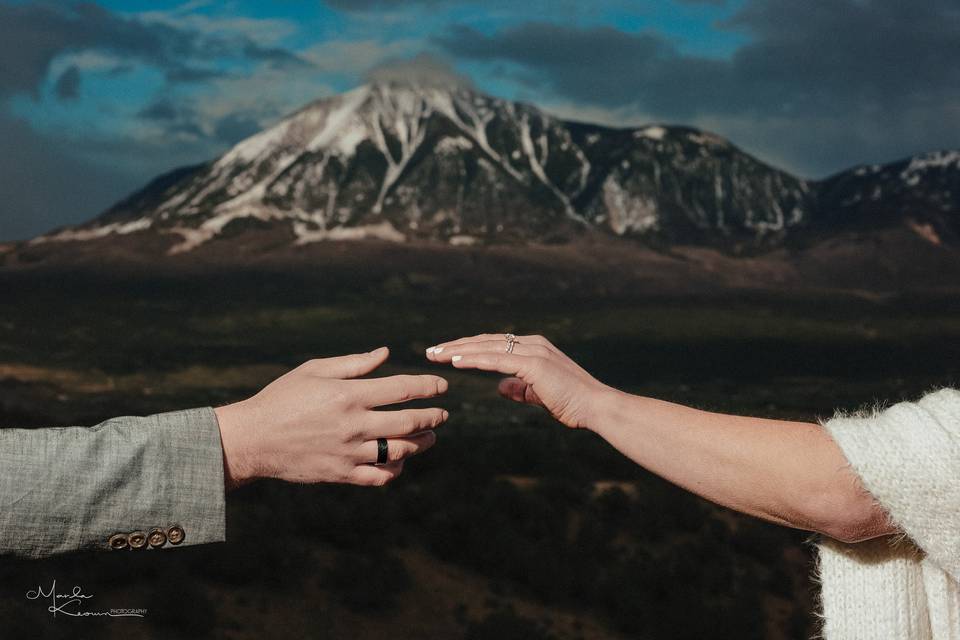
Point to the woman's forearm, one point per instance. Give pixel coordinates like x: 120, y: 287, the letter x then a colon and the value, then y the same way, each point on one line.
x: 790, y: 473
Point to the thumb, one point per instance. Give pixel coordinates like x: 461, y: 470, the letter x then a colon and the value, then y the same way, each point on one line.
x: 352, y: 366
x: 519, y: 391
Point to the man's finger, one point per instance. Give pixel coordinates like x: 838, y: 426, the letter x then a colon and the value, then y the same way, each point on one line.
x: 396, y: 389
x: 352, y: 366
x: 388, y: 424
x: 370, y: 476
x: 398, y: 448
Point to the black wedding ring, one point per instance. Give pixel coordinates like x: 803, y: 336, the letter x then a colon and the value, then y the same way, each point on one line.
x: 383, y: 451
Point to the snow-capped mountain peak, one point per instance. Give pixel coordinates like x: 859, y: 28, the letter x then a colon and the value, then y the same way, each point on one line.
x: 403, y: 161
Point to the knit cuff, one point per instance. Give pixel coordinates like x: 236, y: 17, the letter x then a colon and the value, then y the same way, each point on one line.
x: 908, y: 458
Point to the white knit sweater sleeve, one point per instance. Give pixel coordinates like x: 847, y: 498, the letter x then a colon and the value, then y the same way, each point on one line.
x: 908, y: 458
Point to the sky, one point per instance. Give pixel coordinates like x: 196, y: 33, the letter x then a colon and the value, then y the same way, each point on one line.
x: 98, y: 98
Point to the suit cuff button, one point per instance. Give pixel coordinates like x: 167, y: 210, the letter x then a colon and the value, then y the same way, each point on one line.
x: 175, y: 534
x: 137, y: 540
x: 118, y: 541
x: 157, y: 538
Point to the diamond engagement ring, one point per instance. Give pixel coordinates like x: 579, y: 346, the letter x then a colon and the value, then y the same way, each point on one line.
x: 511, y: 342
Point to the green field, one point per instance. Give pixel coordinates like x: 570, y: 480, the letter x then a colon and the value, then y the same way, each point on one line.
x: 512, y: 527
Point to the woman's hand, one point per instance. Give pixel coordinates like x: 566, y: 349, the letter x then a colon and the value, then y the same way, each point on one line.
x: 315, y: 424
x: 540, y: 374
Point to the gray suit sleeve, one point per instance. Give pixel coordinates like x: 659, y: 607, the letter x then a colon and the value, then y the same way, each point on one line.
x: 127, y: 484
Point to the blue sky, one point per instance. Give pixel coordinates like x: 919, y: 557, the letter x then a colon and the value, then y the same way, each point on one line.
x: 95, y: 99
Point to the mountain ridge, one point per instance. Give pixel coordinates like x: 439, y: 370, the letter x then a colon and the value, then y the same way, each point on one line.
x: 398, y: 162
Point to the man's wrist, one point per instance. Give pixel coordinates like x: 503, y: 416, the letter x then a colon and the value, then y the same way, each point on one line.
x: 237, y: 467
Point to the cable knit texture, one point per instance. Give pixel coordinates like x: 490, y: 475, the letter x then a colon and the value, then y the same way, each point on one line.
x: 908, y: 458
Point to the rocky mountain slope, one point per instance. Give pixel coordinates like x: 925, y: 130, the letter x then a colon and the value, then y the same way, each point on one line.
x: 399, y: 162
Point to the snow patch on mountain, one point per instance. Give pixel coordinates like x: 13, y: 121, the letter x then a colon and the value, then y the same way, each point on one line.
x: 654, y: 133
x: 381, y: 231
x: 919, y: 165
x: 628, y: 212
x: 453, y: 145
x: 342, y: 131
x: 81, y: 235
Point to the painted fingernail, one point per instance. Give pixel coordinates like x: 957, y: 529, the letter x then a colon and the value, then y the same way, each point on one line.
x: 457, y: 358
x: 430, y: 349
x: 437, y: 349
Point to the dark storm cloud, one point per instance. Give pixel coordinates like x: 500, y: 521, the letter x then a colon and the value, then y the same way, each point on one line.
x: 45, y: 185
x: 32, y: 35
x: 880, y: 71
x: 68, y: 84
x: 597, y: 65
x: 69, y: 176
x: 827, y: 56
x: 804, y: 57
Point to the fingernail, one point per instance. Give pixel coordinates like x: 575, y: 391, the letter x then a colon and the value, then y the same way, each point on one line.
x: 457, y: 358
x: 437, y: 349
x: 445, y: 414
x: 430, y: 349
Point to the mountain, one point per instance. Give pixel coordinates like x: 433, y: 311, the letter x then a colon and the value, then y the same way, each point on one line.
x: 922, y: 192
x: 398, y: 162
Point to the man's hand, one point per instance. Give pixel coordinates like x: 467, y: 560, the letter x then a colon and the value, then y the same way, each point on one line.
x: 315, y: 424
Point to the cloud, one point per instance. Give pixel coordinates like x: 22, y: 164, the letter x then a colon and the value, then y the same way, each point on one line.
x: 372, y: 5
x: 263, y: 31
x: 185, y: 120
x: 221, y: 84
x: 596, y: 65
x: 422, y: 69
x: 68, y: 84
x: 876, y: 72
x: 355, y: 58
x: 33, y: 35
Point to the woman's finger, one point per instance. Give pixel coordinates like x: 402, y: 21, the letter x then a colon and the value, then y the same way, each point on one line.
x: 397, y: 448
x: 407, y: 422
x: 519, y: 391
x: 370, y: 476
x: 492, y: 337
x: 480, y: 337
x: 510, y: 364
x: 488, y: 346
